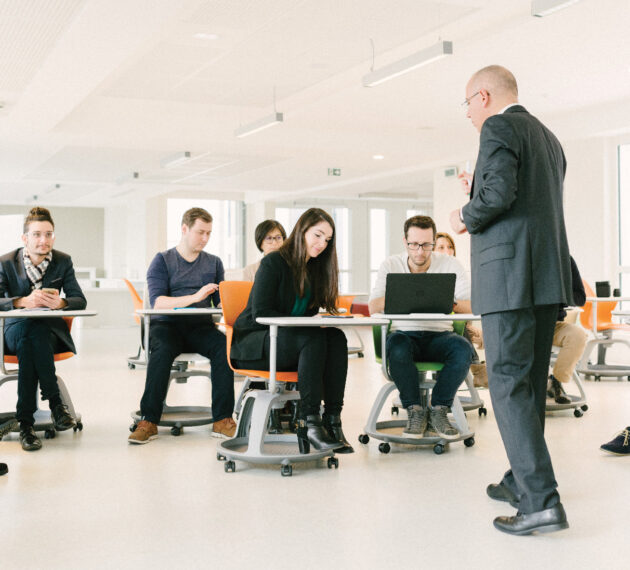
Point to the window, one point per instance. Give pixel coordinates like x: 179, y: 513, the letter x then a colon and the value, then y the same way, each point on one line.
x: 379, y: 241
x: 411, y: 213
x: 341, y: 216
x: 227, y: 235
x: 623, y: 209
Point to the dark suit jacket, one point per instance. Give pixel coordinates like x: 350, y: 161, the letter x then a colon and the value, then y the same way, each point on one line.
x: 15, y: 283
x: 519, y: 250
x: 273, y: 295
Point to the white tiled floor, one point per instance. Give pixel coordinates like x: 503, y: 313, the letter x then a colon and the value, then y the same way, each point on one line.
x: 89, y: 500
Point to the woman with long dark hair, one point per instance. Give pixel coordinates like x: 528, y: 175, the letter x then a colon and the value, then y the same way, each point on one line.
x: 297, y: 280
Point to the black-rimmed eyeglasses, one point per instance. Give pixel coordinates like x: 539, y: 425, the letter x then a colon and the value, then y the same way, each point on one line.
x: 413, y: 246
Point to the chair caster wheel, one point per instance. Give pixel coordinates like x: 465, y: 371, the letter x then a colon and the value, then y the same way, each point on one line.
x: 469, y: 441
x: 131, y: 366
x: 333, y: 462
x: 221, y: 457
x: 229, y: 466
x: 361, y: 355
x: 176, y: 431
x: 483, y: 411
x: 394, y: 410
x: 578, y: 413
x: 384, y: 447
x: 364, y: 438
x: 49, y: 434
x: 286, y: 470
x: 78, y: 427
x: 438, y: 449
x: 585, y: 407
x: 598, y: 378
x: 133, y: 427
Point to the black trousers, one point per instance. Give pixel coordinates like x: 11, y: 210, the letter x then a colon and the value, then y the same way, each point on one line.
x: 166, y: 341
x: 320, y: 356
x: 518, y: 348
x: 35, y: 345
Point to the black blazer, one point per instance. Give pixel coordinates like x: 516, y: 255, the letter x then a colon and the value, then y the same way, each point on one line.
x: 519, y: 249
x: 15, y: 283
x: 273, y: 295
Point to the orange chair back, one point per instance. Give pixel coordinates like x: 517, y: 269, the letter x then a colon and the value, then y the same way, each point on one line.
x: 345, y: 302
x: 135, y: 298
x: 604, y: 311
x: 234, y: 296
x: 12, y: 359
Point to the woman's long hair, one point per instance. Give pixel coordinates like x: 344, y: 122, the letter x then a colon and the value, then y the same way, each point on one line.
x: 321, y: 272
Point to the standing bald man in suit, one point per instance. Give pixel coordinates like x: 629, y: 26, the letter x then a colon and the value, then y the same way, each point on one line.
x: 520, y: 274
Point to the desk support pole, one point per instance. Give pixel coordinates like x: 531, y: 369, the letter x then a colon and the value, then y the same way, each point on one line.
x: 147, y: 323
x: 384, y: 330
x: 273, y: 346
x: 594, y: 314
x: 2, y: 366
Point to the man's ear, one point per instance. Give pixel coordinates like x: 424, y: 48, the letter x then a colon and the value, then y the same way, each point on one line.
x: 485, y: 97
x: 24, y: 239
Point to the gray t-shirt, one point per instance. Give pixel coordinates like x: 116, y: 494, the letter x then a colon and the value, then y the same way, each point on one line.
x: 171, y: 275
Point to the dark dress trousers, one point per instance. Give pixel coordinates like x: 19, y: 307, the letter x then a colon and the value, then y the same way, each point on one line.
x: 521, y: 273
x: 320, y: 355
x: 36, y: 340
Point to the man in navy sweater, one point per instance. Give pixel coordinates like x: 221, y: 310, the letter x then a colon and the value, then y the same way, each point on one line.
x: 186, y: 276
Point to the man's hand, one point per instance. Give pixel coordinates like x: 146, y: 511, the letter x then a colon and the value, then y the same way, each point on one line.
x: 458, y: 226
x: 40, y: 299
x: 465, y: 180
x: 205, y: 291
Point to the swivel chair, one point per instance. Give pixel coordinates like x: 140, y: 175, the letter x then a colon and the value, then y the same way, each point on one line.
x: 252, y: 443
x: 603, y: 339
x: 140, y: 359
x: 43, y: 419
x: 178, y: 417
x: 388, y: 431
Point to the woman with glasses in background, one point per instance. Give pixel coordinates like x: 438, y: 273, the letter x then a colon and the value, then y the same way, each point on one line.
x: 269, y: 236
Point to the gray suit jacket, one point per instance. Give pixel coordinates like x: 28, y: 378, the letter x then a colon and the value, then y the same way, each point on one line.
x: 15, y: 283
x: 519, y: 249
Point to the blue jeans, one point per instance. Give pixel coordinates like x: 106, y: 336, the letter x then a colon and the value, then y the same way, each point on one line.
x: 404, y: 348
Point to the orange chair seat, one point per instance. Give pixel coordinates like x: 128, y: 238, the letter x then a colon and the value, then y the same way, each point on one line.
x: 612, y: 326
x: 280, y: 376
x: 12, y: 359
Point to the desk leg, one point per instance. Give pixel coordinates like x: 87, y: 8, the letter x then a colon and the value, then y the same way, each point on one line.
x: 2, y: 367
x: 384, y: 331
x: 147, y: 322
x: 273, y: 346
x: 595, y: 318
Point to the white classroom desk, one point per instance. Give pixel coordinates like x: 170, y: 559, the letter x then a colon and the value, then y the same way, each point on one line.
x: 317, y: 321
x: 183, y: 312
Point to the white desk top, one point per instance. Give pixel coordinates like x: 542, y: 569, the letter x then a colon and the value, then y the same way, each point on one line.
x: 429, y: 317
x: 621, y: 313
x: 179, y: 312
x: 604, y: 299
x: 322, y: 321
x: 41, y: 313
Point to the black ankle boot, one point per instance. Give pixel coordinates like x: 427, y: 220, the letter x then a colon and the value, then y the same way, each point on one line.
x: 303, y: 443
x: 275, y: 423
x: 317, y: 435
x: 333, y: 427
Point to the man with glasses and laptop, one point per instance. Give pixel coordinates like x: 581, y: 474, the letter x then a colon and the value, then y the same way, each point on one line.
x: 429, y: 341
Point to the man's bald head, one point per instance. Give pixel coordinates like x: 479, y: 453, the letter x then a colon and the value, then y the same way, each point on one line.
x: 489, y: 90
x: 496, y: 80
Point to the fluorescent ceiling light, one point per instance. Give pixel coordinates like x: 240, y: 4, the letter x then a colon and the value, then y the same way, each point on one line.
x: 378, y: 157
x: 206, y: 36
x: 542, y: 8
x: 423, y: 57
x: 176, y: 160
x: 265, y: 123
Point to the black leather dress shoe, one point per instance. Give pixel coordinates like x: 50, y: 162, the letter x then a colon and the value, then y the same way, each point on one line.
x: 29, y: 440
x: 501, y: 493
x: 548, y: 520
x: 3, y: 469
x: 62, y: 418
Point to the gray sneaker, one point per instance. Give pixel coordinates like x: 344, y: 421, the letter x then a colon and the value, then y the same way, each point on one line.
x: 440, y: 423
x: 417, y: 420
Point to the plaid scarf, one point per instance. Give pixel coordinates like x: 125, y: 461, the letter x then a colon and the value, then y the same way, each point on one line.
x: 35, y: 273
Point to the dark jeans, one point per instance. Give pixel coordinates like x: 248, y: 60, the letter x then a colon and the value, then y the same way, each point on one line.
x: 166, y: 342
x: 320, y: 356
x: 518, y: 349
x: 35, y: 345
x: 404, y: 348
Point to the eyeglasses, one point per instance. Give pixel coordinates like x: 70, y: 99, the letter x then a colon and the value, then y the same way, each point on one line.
x: 39, y: 235
x: 271, y: 239
x: 413, y: 246
x: 466, y: 102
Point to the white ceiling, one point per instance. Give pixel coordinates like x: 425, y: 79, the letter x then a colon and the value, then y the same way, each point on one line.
x: 94, y: 91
